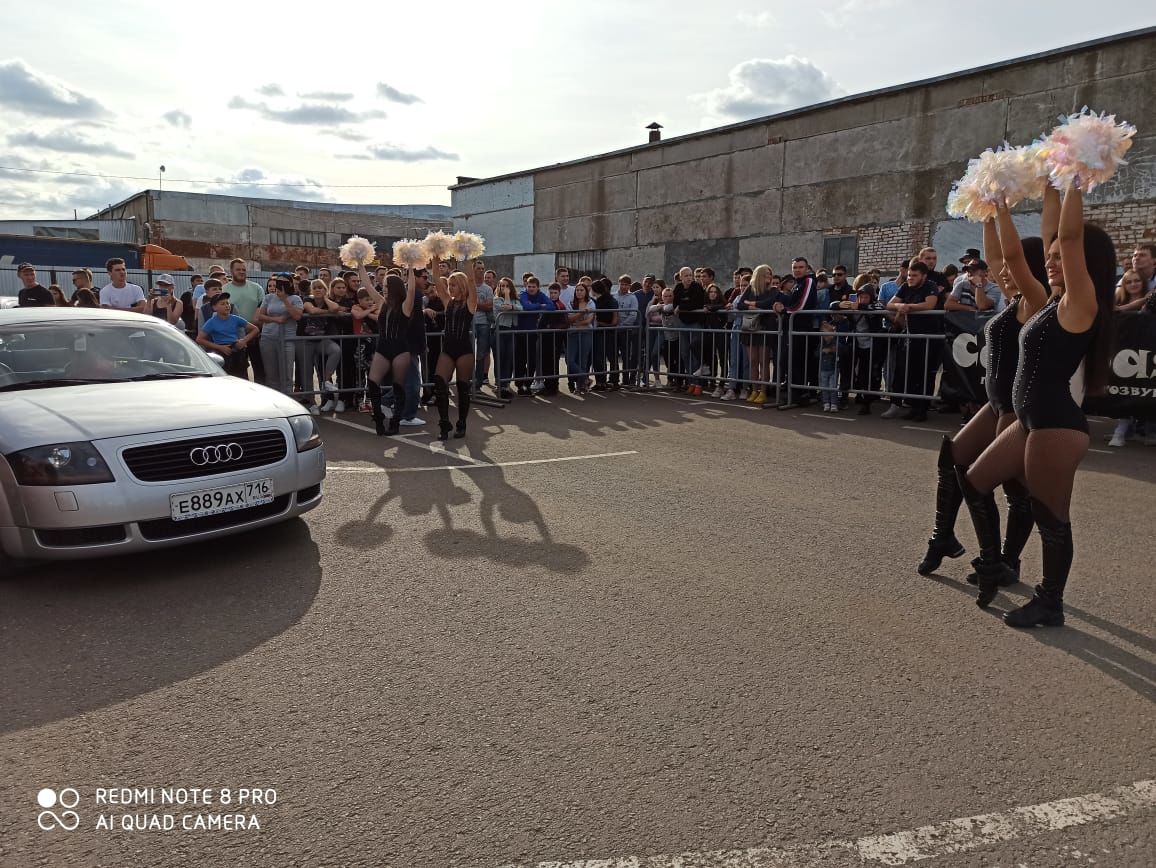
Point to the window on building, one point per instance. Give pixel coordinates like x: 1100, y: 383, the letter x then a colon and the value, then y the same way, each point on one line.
x: 66, y: 232
x: 591, y: 262
x: 296, y: 238
x: 841, y: 250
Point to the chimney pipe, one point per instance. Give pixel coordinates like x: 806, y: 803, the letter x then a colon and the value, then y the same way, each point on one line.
x: 655, y: 132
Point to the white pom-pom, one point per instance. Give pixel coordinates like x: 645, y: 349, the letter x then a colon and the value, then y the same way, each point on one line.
x: 438, y: 245
x: 1005, y: 176
x: 467, y: 245
x: 357, y: 251
x: 1087, y: 149
x: 409, y: 253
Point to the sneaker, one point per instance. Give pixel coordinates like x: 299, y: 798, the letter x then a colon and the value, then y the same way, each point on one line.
x: 717, y: 393
x: 892, y: 412
x: 745, y: 394
x: 386, y: 412
x: 703, y: 371
x: 364, y: 407
x: 730, y: 395
x: 328, y: 406
x: 415, y: 422
x: 339, y: 407
x: 1117, y: 441
x: 537, y: 386
x: 313, y: 411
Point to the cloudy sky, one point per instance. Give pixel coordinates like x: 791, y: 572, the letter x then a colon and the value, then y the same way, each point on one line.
x: 369, y: 105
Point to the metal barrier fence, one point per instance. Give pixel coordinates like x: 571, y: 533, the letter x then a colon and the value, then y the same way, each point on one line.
x: 10, y: 283
x: 786, y: 359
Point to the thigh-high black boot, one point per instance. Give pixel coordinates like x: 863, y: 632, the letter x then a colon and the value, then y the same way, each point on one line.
x: 374, y: 391
x: 442, y: 400
x: 989, y: 567
x: 463, y: 408
x: 948, y: 497
x: 1046, y: 608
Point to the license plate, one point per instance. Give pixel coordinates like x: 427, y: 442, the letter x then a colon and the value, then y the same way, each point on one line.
x: 212, y: 501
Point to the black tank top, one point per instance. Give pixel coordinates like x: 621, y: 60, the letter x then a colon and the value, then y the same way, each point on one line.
x: 1049, y: 358
x: 392, y: 325
x: 459, y: 322
x: 1001, y: 336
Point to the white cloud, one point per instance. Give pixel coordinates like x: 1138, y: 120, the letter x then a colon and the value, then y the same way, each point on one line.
x: 399, y: 154
x: 27, y: 91
x: 844, y: 14
x: 270, y: 90
x: 327, y: 96
x: 254, y: 182
x: 66, y: 141
x: 762, y: 87
x: 307, y: 114
x: 756, y: 19
x: 178, y: 118
x: 394, y: 95
x: 348, y: 135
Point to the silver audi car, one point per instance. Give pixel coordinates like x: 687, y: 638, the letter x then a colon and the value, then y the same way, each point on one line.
x: 119, y: 434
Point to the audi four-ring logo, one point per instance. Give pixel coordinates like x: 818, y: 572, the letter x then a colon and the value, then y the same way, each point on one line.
x: 218, y: 454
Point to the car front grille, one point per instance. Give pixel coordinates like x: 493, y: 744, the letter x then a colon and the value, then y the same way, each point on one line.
x: 165, y: 462
x: 166, y: 528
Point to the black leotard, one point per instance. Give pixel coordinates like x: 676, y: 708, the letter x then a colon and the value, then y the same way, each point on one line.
x: 392, y: 333
x: 1001, y: 336
x: 459, y: 334
x: 1049, y: 358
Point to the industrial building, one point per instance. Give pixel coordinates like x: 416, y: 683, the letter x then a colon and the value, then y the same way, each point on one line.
x: 269, y: 233
x: 861, y: 180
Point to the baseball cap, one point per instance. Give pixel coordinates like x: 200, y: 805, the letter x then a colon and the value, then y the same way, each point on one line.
x: 970, y: 253
x: 976, y: 264
x: 651, y: 277
x: 24, y: 265
x: 165, y: 280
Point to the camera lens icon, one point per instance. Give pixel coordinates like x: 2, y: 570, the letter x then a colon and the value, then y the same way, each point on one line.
x: 67, y: 819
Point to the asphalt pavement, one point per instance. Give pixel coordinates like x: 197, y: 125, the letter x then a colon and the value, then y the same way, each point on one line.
x: 610, y: 628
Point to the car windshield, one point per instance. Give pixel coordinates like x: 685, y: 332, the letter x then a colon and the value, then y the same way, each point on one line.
x: 75, y: 352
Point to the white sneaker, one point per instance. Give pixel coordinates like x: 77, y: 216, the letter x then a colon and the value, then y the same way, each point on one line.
x: 328, y: 387
x: 744, y: 394
x: 327, y: 406
x: 386, y: 412
x: 703, y: 371
x: 892, y: 412
x: 339, y: 407
x: 313, y: 411
x: 1117, y: 441
x: 537, y: 386
x: 415, y: 422
x: 717, y: 393
x: 729, y: 396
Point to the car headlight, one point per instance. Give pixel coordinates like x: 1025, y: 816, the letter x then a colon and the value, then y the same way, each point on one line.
x: 305, y: 432
x: 60, y: 464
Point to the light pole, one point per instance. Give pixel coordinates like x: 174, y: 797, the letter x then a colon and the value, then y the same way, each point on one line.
x: 161, y: 182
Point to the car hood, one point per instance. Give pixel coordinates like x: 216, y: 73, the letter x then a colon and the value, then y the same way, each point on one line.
x: 38, y: 417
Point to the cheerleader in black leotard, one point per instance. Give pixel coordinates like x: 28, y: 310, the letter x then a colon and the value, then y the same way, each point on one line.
x: 392, y: 355
x: 1023, y: 278
x: 1050, y: 436
x: 461, y: 301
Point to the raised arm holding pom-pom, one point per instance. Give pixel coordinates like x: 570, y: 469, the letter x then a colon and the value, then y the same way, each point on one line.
x: 1078, y: 307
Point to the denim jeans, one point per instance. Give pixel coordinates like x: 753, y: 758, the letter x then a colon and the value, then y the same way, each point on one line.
x: 579, y: 347
x: 829, y: 379
x: 690, y: 350
x: 654, y: 353
x: 628, y: 360
x: 504, y: 353
x: 277, y: 355
x: 412, y: 387
x: 483, y: 344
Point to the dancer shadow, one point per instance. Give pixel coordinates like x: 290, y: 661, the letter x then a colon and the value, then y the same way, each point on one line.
x: 1123, y: 666
x: 422, y: 494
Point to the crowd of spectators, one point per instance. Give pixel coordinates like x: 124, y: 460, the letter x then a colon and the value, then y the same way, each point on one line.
x: 870, y: 335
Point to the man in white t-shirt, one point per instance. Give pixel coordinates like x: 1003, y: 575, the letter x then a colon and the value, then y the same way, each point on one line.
x: 119, y: 294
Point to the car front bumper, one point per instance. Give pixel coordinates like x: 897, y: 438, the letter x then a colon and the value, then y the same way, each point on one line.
x: 128, y: 515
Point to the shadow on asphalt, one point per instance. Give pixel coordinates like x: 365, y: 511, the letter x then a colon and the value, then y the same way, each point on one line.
x: 1119, y: 664
x: 77, y: 637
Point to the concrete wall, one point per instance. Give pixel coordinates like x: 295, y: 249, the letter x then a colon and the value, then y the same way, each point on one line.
x: 877, y: 168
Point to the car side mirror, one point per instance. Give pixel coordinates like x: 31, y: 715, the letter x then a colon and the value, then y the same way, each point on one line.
x: 218, y: 358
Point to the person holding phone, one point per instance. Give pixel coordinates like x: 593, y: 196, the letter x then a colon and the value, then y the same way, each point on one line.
x: 162, y: 304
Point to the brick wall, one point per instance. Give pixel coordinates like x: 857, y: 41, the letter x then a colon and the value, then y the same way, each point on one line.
x: 1129, y: 223
x: 884, y: 246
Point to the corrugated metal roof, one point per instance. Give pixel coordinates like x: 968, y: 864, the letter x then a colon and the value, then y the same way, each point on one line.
x: 120, y: 231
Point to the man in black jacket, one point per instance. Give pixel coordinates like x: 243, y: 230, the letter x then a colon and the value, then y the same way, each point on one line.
x: 689, y: 301
x: 32, y: 294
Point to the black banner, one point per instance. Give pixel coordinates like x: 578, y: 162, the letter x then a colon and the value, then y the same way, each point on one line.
x: 964, y: 358
x: 1131, y: 387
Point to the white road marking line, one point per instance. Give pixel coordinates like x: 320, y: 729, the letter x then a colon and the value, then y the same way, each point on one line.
x: 834, y: 417
x: 340, y: 469
x: 425, y: 447
x: 934, y: 430
x: 1102, y: 451
x: 902, y: 848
